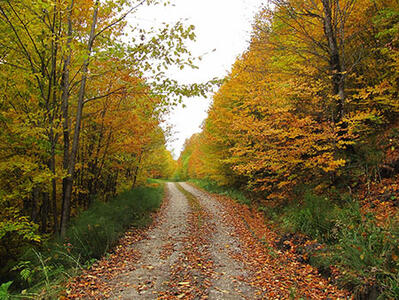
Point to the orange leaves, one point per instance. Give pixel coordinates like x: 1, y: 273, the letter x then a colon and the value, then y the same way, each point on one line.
x: 381, y: 200
x: 273, y: 123
x: 277, y: 273
x: 190, y: 163
x: 94, y: 282
x: 105, y: 277
x: 267, y: 128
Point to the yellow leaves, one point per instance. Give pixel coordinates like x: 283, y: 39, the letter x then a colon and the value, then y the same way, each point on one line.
x: 364, y: 94
x: 327, y: 162
x: 19, y: 226
x: 272, y: 124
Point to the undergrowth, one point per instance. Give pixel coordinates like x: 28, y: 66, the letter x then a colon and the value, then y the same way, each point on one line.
x: 94, y: 232
x: 365, y: 254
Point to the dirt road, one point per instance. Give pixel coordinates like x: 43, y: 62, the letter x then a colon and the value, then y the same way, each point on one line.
x: 188, y: 257
x: 203, y: 247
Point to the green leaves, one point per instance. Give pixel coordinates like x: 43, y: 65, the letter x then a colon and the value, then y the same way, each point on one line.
x: 18, y: 225
x: 4, y: 294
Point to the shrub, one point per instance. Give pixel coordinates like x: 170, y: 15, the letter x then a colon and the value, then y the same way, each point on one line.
x: 4, y: 290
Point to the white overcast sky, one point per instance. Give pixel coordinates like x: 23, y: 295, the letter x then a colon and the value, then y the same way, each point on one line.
x: 224, y: 25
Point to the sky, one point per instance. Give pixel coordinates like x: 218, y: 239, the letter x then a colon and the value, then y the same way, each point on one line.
x: 223, y: 25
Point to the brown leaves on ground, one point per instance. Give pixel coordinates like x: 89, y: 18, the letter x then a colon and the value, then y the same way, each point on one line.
x: 382, y: 200
x: 277, y: 273
x: 98, y: 282
x: 190, y: 276
x: 94, y: 281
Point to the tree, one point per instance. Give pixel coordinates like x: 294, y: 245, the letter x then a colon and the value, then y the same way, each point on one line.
x: 302, y: 106
x: 67, y: 77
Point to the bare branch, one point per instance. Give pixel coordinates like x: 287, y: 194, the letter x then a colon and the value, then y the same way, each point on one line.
x: 120, y: 19
x: 103, y: 96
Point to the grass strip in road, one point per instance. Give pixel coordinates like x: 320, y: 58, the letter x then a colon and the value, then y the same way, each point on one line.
x: 190, y: 275
x: 194, y: 204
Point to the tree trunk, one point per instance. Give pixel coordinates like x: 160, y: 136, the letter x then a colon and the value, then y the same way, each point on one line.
x: 136, y: 171
x: 54, y: 189
x: 116, y: 182
x: 53, y: 201
x: 44, y: 209
x: 35, y: 200
x: 338, y: 85
x: 75, y: 142
x: 65, y: 105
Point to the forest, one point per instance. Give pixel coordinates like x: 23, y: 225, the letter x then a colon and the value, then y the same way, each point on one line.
x: 83, y: 99
x: 303, y: 133
x: 306, y: 127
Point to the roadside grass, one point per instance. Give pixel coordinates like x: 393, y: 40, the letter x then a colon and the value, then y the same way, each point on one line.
x: 230, y: 192
x: 157, y: 180
x: 162, y: 180
x: 363, y: 256
x: 41, y: 271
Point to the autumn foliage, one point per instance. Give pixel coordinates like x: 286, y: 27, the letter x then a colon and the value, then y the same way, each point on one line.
x: 280, y: 120
x: 83, y: 98
x: 311, y: 105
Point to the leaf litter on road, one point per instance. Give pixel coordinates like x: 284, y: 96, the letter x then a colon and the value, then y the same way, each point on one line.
x: 273, y: 273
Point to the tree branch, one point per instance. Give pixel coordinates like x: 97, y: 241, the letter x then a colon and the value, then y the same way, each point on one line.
x: 120, y: 19
x: 103, y: 96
